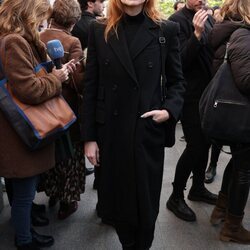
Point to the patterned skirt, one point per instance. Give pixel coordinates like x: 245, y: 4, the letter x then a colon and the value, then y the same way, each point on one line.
x: 66, y: 181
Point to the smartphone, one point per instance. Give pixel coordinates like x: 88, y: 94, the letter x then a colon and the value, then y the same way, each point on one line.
x: 77, y: 61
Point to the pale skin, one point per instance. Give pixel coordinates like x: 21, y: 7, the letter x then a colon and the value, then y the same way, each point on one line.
x: 91, y: 149
x: 200, y: 16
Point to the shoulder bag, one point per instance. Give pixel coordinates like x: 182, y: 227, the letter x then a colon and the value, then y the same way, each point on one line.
x: 37, y: 125
x: 224, y: 110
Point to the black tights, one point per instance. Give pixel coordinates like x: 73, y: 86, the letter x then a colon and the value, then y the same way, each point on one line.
x: 236, y: 180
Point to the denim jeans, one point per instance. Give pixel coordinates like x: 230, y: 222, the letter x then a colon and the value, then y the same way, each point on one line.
x: 23, y: 194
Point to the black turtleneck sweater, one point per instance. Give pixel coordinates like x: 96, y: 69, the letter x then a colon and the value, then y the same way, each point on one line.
x: 131, y: 25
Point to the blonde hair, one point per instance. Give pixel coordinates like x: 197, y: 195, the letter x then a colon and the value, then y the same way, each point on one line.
x: 66, y: 13
x: 235, y: 9
x: 115, y: 12
x: 22, y: 16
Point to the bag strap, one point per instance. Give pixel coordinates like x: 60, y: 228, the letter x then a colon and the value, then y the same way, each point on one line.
x: 162, y: 41
x: 226, y: 52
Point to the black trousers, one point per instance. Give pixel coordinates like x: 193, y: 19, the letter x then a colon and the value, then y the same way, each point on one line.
x: 236, y: 179
x: 195, y: 156
x: 215, y: 153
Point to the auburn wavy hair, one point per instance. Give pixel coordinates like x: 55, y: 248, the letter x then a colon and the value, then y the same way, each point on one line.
x: 115, y: 11
x: 235, y: 10
x: 22, y: 16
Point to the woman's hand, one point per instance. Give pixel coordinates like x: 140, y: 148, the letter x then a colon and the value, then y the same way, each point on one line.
x: 157, y: 115
x: 62, y: 74
x: 91, y: 151
x: 71, y: 66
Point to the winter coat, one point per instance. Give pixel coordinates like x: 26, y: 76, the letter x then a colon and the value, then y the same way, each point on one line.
x: 121, y: 84
x: 81, y: 29
x: 238, y: 36
x: 72, y: 90
x: 196, y: 55
x: 19, y: 57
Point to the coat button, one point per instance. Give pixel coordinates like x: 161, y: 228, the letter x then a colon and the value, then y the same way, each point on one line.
x: 114, y: 87
x: 150, y: 65
x: 106, y: 62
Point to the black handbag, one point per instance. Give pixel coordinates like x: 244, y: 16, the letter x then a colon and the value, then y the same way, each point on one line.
x: 224, y: 110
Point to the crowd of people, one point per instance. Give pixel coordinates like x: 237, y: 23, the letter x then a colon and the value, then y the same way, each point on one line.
x: 129, y: 77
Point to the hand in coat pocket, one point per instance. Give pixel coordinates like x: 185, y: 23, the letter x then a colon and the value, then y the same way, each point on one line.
x: 91, y: 151
x: 157, y: 115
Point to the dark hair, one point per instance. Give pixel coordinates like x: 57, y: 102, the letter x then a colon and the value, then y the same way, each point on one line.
x: 176, y: 4
x: 84, y: 3
x: 66, y: 13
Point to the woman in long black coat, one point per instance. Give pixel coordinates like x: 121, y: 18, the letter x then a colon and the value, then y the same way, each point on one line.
x: 126, y: 124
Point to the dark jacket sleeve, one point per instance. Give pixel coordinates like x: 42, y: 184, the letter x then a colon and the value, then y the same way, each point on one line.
x: 175, y: 79
x: 189, y: 44
x: 239, y: 58
x: 90, y: 93
x: 18, y: 67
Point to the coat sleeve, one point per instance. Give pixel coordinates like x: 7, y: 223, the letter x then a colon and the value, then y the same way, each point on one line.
x: 239, y: 58
x: 189, y: 44
x: 18, y: 67
x: 175, y: 80
x: 90, y: 93
x: 76, y: 53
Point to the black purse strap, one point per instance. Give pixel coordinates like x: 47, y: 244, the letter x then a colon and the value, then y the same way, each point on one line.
x: 162, y: 41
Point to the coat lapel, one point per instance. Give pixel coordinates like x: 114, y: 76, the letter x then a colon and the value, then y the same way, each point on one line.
x: 143, y: 37
x: 120, y: 47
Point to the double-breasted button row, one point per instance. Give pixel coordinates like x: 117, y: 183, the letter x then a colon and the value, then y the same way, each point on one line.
x: 150, y: 65
x: 114, y: 87
x: 106, y: 62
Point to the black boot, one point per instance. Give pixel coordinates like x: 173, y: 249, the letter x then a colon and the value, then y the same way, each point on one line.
x: 210, y: 174
x: 41, y: 240
x: 40, y: 208
x: 38, y: 219
x: 202, y: 194
x: 29, y: 246
x: 179, y: 207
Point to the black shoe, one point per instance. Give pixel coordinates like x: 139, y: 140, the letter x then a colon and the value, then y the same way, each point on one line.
x: 182, y: 138
x: 29, y: 246
x: 202, y: 195
x: 179, y: 207
x: 109, y: 222
x: 38, y: 219
x: 38, y: 208
x: 210, y: 174
x: 41, y: 240
x: 89, y: 171
x: 52, y: 201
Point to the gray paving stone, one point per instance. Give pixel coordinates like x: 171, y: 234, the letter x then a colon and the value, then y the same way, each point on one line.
x: 84, y: 230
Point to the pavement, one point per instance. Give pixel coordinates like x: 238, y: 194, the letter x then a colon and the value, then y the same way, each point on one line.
x: 84, y: 231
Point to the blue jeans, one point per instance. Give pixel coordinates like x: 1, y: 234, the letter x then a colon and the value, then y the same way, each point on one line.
x: 23, y: 194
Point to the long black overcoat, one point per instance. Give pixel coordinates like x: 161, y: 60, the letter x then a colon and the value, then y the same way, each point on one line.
x: 120, y: 85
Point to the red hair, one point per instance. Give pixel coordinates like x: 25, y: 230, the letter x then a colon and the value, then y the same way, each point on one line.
x: 116, y: 11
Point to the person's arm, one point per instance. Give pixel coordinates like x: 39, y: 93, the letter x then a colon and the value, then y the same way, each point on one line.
x: 18, y: 68
x: 76, y: 53
x: 91, y: 148
x: 239, y: 58
x: 172, y: 106
x: 190, y: 44
x: 175, y: 80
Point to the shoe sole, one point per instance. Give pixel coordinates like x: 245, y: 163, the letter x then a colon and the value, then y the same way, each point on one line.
x: 191, y: 198
x: 179, y: 215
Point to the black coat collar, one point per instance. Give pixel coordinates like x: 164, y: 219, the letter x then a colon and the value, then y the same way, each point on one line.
x: 144, y: 36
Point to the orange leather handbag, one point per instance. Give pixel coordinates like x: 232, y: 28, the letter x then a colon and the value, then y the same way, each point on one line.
x: 37, y: 125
